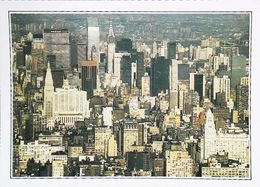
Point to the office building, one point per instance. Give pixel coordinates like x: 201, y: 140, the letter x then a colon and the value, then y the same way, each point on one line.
x: 236, y: 144
x: 159, y: 75
x: 57, y: 42
x: 93, y: 38
x: 146, y: 85
x: 89, y: 77
x: 179, y: 164
x: 171, y: 50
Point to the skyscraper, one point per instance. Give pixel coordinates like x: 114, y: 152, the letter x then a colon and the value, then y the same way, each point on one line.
x: 81, y: 54
x: 110, y: 48
x: 159, y: 75
x: 171, y: 50
x: 173, y: 83
x: 197, y: 83
x: 89, y: 76
x: 146, y: 85
x: 57, y: 42
x: 93, y: 37
x: 238, y: 69
x: 48, y: 95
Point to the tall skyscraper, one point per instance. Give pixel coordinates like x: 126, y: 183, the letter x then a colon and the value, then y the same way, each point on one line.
x: 48, y: 95
x: 159, y: 75
x: 171, y: 50
x: 197, y: 83
x: 89, y: 76
x: 93, y: 37
x: 125, y: 74
x: 81, y: 54
x: 57, y: 42
x: 110, y: 48
x: 173, y: 83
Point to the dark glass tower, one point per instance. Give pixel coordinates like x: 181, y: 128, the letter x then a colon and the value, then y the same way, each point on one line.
x: 89, y: 76
x: 171, y: 50
x: 159, y: 75
x: 198, y: 85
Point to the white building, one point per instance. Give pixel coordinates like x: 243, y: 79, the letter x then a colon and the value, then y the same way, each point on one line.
x: 232, y: 171
x: 173, y: 81
x: 221, y: 85
x: 70, y: 105
x: 146, y: 85
x: 39, y: 152
x: 66, y: 104
x: 236, y: 144
x: 110, y: 49
x: 107, y: 116
x: 48, y: 95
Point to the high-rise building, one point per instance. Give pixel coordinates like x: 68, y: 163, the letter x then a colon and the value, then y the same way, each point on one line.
x: 110, y: 48
x: 173, y: 83
x: 146, y: 85
x: 126, y: 66
x: 197, y: 84
x: 171, y: 50
x: 89, y: 76
x: 159, y: 75
x: 138, y: 57
x: 57, y: 42
x: 221, y: 85
x: 81, y: 54
x: 183, y: 72
x: 93, y: 38
x: 48, y: 95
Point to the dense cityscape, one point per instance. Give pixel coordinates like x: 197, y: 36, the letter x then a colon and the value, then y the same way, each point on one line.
x: 131, y: 95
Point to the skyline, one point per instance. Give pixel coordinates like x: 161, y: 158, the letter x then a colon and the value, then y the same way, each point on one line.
x: 176, y: 90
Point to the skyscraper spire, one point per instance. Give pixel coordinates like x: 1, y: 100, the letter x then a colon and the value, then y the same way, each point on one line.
x: 48, y: 95
x: 48, y: 79
x: 111, y: 35
x: 210, y: 130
